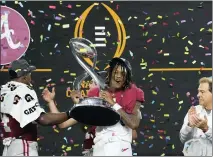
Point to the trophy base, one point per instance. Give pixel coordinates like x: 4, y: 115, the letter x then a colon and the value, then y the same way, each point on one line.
x: 95, y: 115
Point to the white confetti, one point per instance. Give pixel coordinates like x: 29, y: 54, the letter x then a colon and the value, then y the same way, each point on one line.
x: 130, y: 18
x: 49, y: 27
x: 48, y: 80
x: 21, y: 5
x: 130, y: 52
x: 210, y: 22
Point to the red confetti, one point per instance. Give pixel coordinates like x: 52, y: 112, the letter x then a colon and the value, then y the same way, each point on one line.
x: 206, y: 48
x: 161, y: 131
x: 32, y: 22
x: 52, y: 7
x: 62, y: 79
x: 117, y: 6
x: 176, y: 13
x: 165, y: 24
x: 69, y: 6
x: 148, y: 41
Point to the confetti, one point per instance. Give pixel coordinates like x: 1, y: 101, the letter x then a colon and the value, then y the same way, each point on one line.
x: 52, y: 7
x: 49, y: 27
x: 180, y: 102
x: 209, y: 23
x: 21, y: 5
x: 68, y: 149
x: 69, y: 6
x: 160, y: 17
x: 166, y: 115
x: 66, y: 26
x: 190, y: 42
x: 194, y: 62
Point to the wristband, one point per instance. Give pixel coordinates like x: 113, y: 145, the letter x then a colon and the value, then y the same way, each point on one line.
x: 116, y: 107
x: 68, y: 114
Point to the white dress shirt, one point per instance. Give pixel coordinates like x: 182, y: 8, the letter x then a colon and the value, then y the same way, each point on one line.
x: 188, y: 134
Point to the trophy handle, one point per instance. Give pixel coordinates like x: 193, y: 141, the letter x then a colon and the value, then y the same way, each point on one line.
x: 79, y: 80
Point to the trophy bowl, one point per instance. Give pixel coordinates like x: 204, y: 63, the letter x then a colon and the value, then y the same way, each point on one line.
x: 83, y: 48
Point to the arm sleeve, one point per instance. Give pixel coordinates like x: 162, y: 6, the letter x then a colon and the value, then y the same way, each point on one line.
x: 27, y: 109
x: 186, y: 132
x: 140, y: 95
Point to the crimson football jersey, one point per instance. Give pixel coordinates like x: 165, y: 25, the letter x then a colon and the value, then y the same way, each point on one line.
x: 12, y: 129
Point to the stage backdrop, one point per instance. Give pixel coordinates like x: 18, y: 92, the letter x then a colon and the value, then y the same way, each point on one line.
x: 151, y: 35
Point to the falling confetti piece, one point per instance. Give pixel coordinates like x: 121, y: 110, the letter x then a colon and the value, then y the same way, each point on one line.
x: 66, y: 26
x: 66, y: 71
x: 154, y: 92
x: 173, y: 146
x: 184, y: 37
x: 49, y: 27
x: 163, y: 40
x: 190, y: 42
x: 180, y: 102
x: 69, y: 6
x: 148, y: 18
x: 210, y: 22
x: 52, y: 7
x: 32, y: 22
x: 41, y: 38
x: 131, y: 54
x: 166, y: 115
x: 202, y: 29
x: 186, y: 48
x: 68, y: 149
x: 151, y: 145
x: 127, y: 37
x: 72, y: 74
x: 182, y: 21
x: 150, y: 75
x: 76, y: 145
x: 160, y: 17
x: 65, y: 139
x: 161, y: 104
x: 21, y: 5
x: 194, y: 62
x: 149, y: 40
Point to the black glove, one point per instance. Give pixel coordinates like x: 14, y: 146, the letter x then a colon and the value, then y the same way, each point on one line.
x: 69, y: 114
